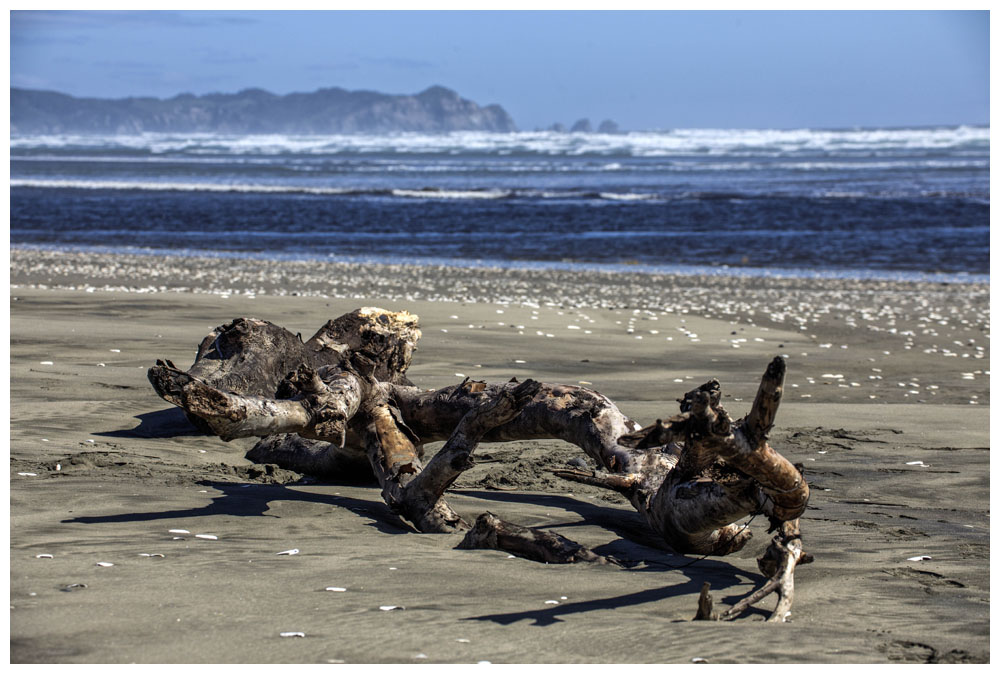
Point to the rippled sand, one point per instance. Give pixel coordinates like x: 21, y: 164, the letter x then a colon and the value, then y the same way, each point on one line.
x: 886, y: 405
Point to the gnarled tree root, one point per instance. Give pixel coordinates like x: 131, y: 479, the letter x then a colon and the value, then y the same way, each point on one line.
x: 343, y: 396
x: 779, y: 560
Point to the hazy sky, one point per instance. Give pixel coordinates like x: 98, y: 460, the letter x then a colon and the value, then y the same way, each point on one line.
x: 645, y: 70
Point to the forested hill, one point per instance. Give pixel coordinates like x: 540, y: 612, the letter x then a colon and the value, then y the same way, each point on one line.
x: 333, y: 110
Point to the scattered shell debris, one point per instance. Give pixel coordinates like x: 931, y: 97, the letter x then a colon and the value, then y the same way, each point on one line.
x: 44, y: 555
x: 919, y: 558
x: 207, y: 537
x: 391, y: 608
x: 293, y: 551
x: 178, y: 531
x: 292, y: 634
x: 336, y: 589
x: 105, y: 564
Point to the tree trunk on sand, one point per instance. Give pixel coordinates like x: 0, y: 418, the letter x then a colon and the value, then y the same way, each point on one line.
x: 325, y: 405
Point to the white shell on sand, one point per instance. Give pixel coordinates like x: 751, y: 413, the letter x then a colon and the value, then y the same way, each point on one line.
x: 105, y: 564
x: 293, y: 551
x: 207, y: 537
x: 336, y: 589
x: 43, y: 556
x: 391, y: 608
x: 178, y: 531
x: 920, y: 558
x: 293, y: 634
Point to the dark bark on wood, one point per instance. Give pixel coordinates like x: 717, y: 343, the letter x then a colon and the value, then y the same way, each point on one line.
x: 314, y: 457
x: 343, y: 395
x: 492, y: 533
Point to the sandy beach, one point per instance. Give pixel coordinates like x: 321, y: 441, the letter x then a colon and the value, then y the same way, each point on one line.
x: 112, y: 491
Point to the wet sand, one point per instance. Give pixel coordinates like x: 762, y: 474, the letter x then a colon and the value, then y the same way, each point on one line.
x: 886, y: 404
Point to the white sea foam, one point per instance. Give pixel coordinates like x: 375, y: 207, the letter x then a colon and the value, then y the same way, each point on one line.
x: 452, y: 194
x: 627, y: 196
x: 678, y: 142
x: 174, y: 186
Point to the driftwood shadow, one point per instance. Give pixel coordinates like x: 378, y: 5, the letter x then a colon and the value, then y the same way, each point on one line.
x: 720, y: 574
x: 169, y: 423
x: 253, y: 500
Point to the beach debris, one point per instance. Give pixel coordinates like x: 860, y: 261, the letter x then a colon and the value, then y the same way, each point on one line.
x: 151, y: 554
x: 44, y: 555
x: 699, y: 661
x: 336, y: 589
x: 289, y: 635
x: 491, y: 532
x: 551, y: 601
x: 293, y: 551
x: 207, y: 537
x: 340, y: 403
x: 919, y: 558
x: 105, y: 564
x: 178, y: 531
x: 45, y: 362
x: 28, y: 474
x: 391, y: 608
x: 75, y: 586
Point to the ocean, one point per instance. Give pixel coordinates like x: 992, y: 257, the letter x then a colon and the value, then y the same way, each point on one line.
x: 856, y: 203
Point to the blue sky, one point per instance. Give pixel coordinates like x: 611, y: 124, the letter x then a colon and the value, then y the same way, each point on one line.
x: 645, y: 70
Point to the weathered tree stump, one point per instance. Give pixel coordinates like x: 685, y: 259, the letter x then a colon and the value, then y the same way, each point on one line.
x: 341, y: 401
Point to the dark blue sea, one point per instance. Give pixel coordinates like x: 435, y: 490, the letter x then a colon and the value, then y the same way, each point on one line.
x: 855, y: 203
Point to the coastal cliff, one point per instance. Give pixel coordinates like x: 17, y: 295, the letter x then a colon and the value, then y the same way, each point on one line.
x: 332, y: 110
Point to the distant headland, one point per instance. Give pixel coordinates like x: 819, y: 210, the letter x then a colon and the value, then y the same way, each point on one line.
x: 333, y: 110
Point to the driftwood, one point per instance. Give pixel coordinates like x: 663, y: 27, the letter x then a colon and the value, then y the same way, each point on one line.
x: 340, y: 405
